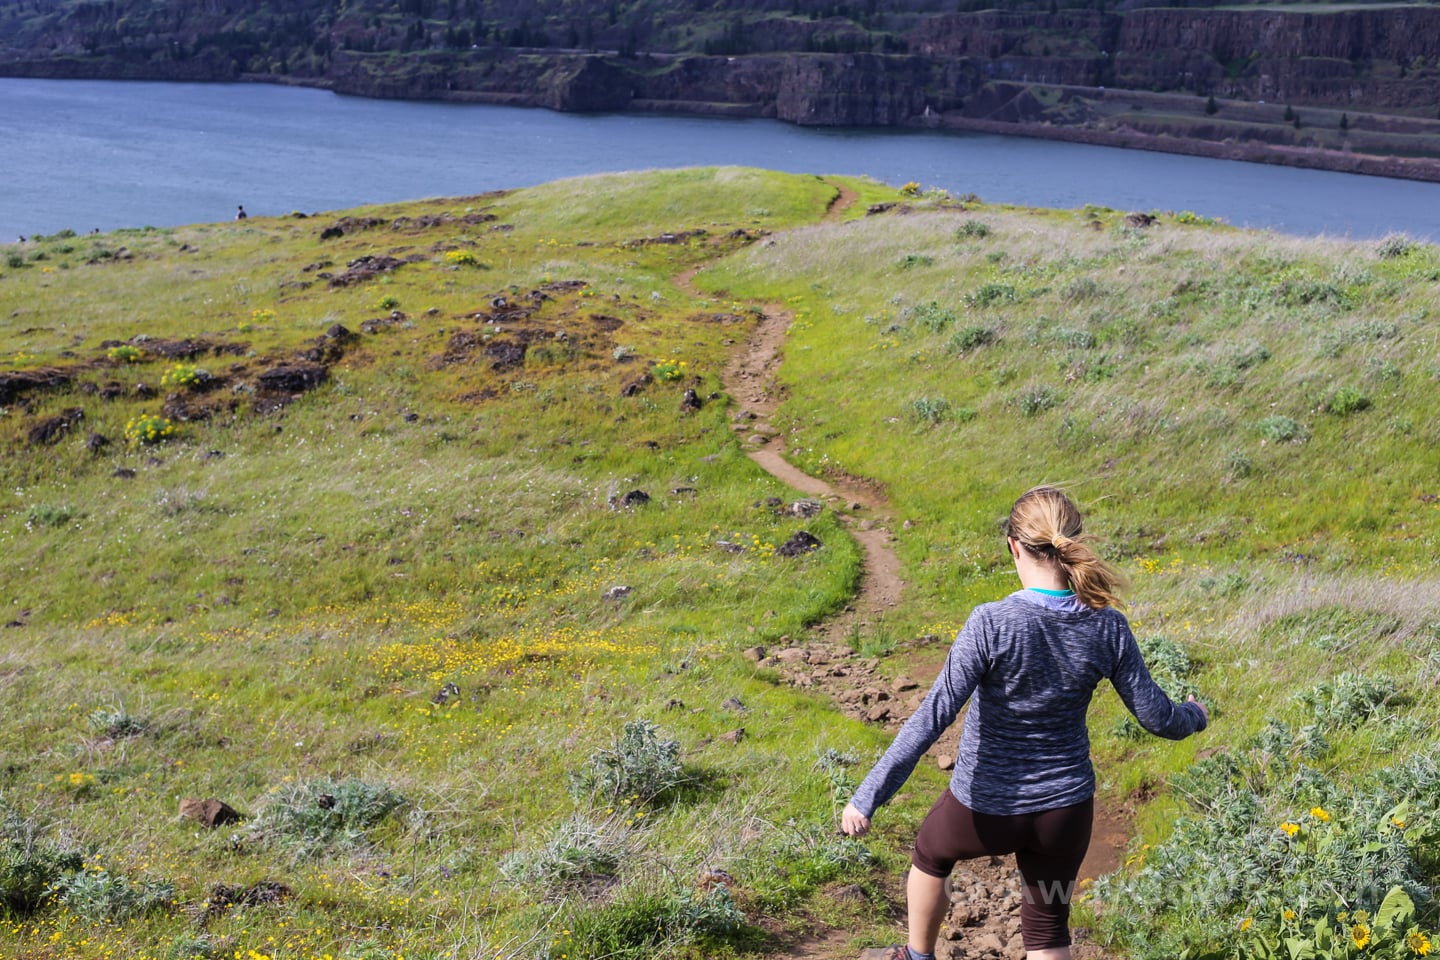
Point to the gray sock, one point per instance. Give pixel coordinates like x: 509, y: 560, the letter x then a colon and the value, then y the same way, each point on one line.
x: 917, y: 955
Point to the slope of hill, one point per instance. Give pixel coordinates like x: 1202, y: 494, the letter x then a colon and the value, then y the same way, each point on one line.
x: 1348, y: 87
x: 424, y: 537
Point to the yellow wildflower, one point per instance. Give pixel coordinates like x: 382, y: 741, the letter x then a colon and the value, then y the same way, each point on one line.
x: 1418, y: 943
x: 1319, y: 813
x: 1288, y: 915
x: 1360, y: 936
x: 1290, y: 828
x: 1246, y: 923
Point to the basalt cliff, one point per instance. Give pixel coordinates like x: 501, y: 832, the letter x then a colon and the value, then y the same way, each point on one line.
x: 1351, y: 89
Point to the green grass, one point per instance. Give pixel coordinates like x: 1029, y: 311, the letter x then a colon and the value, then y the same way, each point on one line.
x: 397, y: 586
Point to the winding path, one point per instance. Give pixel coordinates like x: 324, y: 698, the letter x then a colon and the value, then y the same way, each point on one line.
x: 751, y: 380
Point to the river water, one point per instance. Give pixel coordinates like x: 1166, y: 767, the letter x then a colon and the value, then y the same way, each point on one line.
x: 89, y: 155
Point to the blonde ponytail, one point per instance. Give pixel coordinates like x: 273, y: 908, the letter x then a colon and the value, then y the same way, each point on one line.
x: 1047, y: 524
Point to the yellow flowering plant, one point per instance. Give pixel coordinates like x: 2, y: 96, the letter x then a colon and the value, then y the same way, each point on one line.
x: 1392, y: 934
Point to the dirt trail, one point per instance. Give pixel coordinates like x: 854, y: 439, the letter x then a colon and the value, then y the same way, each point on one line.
x: 984, y: 918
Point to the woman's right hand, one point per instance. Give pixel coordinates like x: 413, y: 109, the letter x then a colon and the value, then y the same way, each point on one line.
x: 853, y: 822
x: 1201, y: 706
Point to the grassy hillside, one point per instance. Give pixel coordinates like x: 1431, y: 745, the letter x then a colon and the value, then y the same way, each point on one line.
x: 360, y: 574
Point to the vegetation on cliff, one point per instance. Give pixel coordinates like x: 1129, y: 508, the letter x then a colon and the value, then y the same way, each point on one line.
x: 422, y: 537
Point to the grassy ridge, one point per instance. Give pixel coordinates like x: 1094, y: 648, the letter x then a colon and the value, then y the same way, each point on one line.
x: 397, y: 582
x: 400, y: 583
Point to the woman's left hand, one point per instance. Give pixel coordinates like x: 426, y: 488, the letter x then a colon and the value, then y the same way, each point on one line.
x: 853, y: 822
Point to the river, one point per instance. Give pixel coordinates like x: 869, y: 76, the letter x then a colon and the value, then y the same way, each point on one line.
x: 86, y: 155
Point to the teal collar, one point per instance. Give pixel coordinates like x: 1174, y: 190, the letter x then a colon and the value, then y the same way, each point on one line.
x: 1052, y: 593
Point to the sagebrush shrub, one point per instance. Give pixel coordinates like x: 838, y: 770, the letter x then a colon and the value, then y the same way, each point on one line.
x: 574, y: 850
x: 324, y: 811
x: 1280, y: 429
x: 30, y: 864
x: 102, y: 896
x: 640, y: 766
x: 963, y: 341
x: 1344, y: 401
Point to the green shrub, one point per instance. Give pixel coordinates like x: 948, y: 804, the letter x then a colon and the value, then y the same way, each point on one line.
x: 100, y: 896
x: 576, y: 849
x: 1036, y: 398
x: 124, y: 353
x: 387, y: 302
x: 185, y: 375
x: 14, y: 261
x: 463, y: 258
x: 989, y: 294
x: 933, y: 317
x: 972, y: 229
x: 668, y: 370
x: 1238, y: 465
x: 1393, y: 246
x: 1074, y: 339
x: 1344, y: 401
x: 30, y: 865
x: 325, y: 811
x: 148, y: 429
x: 49, y: 515
x: 638, y: 766
x: 963, y: 341
x: 1272, y: 845
x: 911, y: 260
x: 117, y: 723
x: 1278, y: 428
x: 639, y: 925
x: 930, y: 410
x: 1348, y: 700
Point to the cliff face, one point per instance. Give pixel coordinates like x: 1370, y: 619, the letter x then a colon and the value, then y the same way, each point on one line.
x: 1043, y: 70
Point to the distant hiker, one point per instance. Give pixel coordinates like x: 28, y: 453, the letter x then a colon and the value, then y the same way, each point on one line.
x: 22, y: 238
x: 1023, y: 782
x: 240, y: 213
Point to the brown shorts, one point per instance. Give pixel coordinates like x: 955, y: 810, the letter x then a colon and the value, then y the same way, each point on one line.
x: 1048, y: 846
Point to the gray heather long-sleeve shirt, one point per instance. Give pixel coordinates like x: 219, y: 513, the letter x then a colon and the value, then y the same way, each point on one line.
x: 1029, y: 665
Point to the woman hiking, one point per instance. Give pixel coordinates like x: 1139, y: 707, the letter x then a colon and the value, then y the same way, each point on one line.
x: 1023, y: 782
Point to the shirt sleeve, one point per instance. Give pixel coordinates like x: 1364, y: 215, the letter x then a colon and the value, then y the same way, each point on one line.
x: 1143, y: 697
x: 964, y: 666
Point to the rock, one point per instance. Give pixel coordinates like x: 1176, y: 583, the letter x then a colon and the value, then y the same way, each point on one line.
x: 733, y: 703
x: 988, y: 943
x: 617, y: 592
x: 904, y: 683
x: 674, y: 703
x: 850, y: 893
x: 211, y: 813
x: 446, y: 693
x: 877, y: 714
x: 806, y: 508
x: 753, y: 653
x: 292, y: 378
x: 960, y: 916
x: 800, y: 543
x: 123, y: 473
x: 635, y: 498
x: 635, y: 386
x: 411, y: 417
x: 790, y: 655
x: 331, y: 233
x: 49, y: 429
x: 945, y: 762
x: 734, y: 736
x: 691, y: 401
x: 1015, y: 948
x: 817, y: 657
x: 759, y: 439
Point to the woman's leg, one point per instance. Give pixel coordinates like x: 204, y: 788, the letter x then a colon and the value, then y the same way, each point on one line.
x: 951, y: 832
x: 928, y: 903
x: 1049, y: 863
